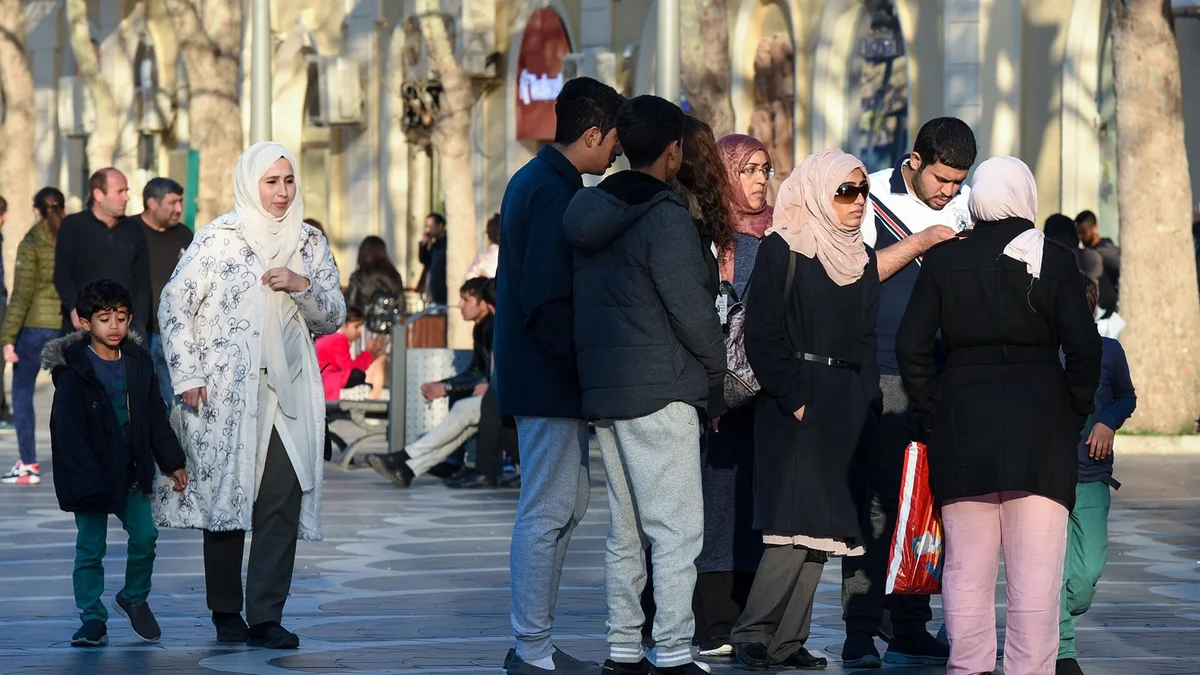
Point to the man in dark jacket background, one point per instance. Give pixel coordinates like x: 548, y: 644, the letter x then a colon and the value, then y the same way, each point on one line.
x: 99, y: 243
x: 536, y: 379
x: 650, y: 353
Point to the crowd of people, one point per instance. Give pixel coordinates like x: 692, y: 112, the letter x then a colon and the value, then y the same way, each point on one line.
x: 863, y: 312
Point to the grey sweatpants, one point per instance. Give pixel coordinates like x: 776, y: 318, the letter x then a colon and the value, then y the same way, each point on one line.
x: 655, y: 497
x: 554, y: 497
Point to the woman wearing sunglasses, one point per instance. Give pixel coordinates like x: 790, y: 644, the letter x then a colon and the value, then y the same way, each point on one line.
x: 810, y: 338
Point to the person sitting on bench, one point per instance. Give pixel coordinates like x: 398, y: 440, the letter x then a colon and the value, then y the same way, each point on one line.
x: 339, y: 371
x: 477, y: 302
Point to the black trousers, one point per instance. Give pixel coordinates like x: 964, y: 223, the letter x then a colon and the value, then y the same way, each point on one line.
x: 719, y: 600
x: 778, y: 612
x: 276, y: 522
x: 493, y: 438
x: 864, y: 577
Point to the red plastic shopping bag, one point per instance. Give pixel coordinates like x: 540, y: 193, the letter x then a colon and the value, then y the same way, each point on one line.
x: 915, y: 561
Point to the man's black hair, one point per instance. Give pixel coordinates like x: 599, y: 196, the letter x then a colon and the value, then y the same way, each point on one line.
x: 3, y: 206
x: 101, y: 296
x: 946, y: 140
x: 482, y: 288
x: 437, y: 218
x: 582, y: 104
x: 158, y: 188
x: 646, y: 125
x: 1085, y: 217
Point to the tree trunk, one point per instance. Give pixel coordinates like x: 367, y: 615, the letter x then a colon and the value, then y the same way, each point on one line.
x: 210, y: 41
x: 1158, y: 276
x: 704, y: 26
x: 102, y: 142
x: 452, y: 140
x: 17, y: 132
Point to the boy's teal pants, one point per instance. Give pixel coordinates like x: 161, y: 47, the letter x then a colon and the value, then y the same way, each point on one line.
x: 91, y: 542
x: 1087, y: 552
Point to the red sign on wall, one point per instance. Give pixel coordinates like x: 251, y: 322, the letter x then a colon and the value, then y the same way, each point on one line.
x: 539, y: 74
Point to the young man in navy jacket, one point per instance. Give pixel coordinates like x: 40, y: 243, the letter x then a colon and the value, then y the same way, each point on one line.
x: 536, y: 378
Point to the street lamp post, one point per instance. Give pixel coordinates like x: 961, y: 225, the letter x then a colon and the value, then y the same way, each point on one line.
x: 666, y: 79
x: 260, y: 72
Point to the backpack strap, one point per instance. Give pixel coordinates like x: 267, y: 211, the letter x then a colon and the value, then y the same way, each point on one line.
x: 791, y: 276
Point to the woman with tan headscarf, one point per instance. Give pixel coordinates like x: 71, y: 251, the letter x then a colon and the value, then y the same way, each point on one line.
x: 237, y: 318
x: 1004, y: 416
x: 810, y: 337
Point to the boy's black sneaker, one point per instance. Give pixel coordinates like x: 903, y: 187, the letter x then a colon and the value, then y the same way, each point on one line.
x: 93, y: 633
x: 920, y: 649
x: 1067, y: 667
x: 140, y: 617
x: 692, y: 668
x: 803, y: 659
x: 393, y: 467
x: 272, y: 636
x: 859, y: 652
x: 611, y: 667
x: 230, y: 627
x: 752, y: 655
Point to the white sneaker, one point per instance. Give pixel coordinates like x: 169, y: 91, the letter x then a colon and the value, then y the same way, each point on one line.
x: 723, y: 650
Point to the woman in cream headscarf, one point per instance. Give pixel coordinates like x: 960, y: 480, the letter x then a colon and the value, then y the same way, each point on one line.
x: 810, y: 337
x: 1004, y: 416
x: 237, y: 318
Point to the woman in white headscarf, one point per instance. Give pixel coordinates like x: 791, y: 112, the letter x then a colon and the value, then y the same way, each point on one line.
x: 810, y: 338
x: 1003, y: 417
x: 237, y: 318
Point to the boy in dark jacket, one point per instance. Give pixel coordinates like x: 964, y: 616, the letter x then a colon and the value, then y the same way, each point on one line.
x: 651, y: 359
x: 108, y: 429
x: 1087, y: 536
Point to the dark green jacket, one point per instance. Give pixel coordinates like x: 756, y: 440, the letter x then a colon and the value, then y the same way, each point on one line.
x: 34, y: 302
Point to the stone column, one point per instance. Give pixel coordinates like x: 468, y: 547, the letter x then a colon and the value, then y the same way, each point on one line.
x: 44, y: 50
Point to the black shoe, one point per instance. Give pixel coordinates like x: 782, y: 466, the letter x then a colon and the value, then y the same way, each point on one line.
x: 859, y: 652
x: 444, y: 470
x: 230, y: 627
x: 686, y: 669
x: 564, y: 664
x: 513, y: 483
x: 463, y: 474
x: 1067, y: 667
x: 93, y: 633
x: 476, y: 481
x: 611, y: 667
x: 393, y: 467
x: 140, y: 617
x: 921, y: 649
x: 804, y: 660
x: 752, y: 655
x: 271, y: 636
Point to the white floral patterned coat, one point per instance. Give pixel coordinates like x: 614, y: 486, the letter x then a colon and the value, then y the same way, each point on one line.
x: 211, y: 316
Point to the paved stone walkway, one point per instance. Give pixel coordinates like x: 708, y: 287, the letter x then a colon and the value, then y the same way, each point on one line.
x: 416, y: 581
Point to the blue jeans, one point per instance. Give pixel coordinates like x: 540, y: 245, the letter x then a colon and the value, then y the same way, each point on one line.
x: 30, y: 342
x: 160, y: 369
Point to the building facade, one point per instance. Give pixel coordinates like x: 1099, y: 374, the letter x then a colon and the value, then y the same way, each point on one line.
x: 353, y: 95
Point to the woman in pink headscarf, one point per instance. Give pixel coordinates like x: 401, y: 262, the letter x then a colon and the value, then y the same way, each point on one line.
x: 810, y: 338
x: 1003, y: 417
x: 749, y: 167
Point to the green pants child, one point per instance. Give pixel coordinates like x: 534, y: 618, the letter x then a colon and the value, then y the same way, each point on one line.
x: 1087, y: 552
x: 91, y: 543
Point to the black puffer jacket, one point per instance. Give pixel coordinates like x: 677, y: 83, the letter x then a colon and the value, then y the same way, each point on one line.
x: 91, y: 465
x: 646, y: 332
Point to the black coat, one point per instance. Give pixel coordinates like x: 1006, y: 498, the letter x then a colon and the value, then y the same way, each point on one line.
x: 87, y: 250
x: 536, y: 374
x: 1005, y: 414
x: 91, y: 465
x: 647, y: 331
x: 805, y: 482
x: 480, y: 369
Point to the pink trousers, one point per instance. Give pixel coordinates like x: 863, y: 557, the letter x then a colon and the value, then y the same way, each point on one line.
x: 1032, y: 531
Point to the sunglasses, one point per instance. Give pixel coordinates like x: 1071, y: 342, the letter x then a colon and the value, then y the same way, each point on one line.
x: 848, y: 193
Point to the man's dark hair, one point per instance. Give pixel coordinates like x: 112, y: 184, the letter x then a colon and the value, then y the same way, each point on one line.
x: 482, y: 288
x: 1060, y: 228
x: 3, y: 206
x: 1093, y: 292
x: 582, y: 104
x: 1085, y: 217
x: 158, y: 188
x: 100, y: 296
x: 437, y: 218
x: 493, y: 229
x: 946, y: 140
x: 98, y: 181
x: 646, y: 125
